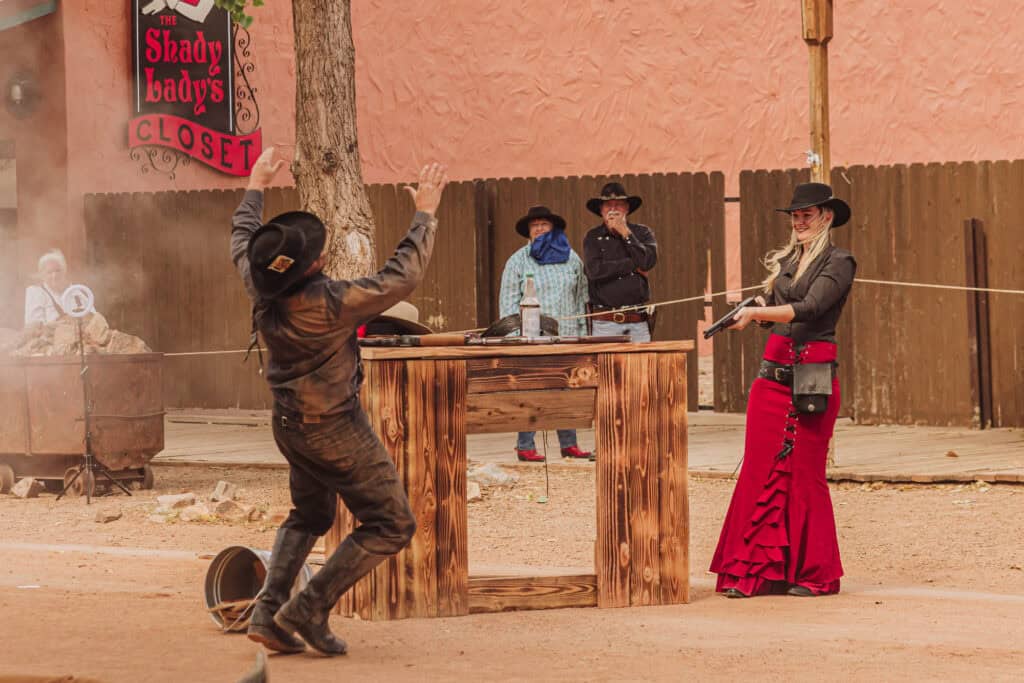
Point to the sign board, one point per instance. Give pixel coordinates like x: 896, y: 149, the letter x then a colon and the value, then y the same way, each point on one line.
x: 184, y: 84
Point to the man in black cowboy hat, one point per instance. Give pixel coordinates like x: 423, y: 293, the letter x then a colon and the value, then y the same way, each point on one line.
x: 618, y: 255
x: 308, y: 323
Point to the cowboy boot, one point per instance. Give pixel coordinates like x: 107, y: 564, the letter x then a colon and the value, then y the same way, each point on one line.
x: 286, y: 559
x: 529, y: 455
x: 307, y: 613
x: 575, y: 452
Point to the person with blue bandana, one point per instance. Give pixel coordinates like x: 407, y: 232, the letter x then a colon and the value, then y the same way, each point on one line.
x: 557, y: 272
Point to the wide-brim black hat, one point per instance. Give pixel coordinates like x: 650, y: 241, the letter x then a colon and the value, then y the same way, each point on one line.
x: 281, y: 251
x: 613, y: 191
x: 807, y: 195
x: 537, y: 213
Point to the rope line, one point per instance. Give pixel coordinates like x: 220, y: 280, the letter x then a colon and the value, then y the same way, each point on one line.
x: 961, y: 288
x: 699, y: 297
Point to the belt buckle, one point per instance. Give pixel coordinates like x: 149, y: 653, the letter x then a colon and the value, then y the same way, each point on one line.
x: 779, y: 373
x: 284, y: 421
x: 618, y: 317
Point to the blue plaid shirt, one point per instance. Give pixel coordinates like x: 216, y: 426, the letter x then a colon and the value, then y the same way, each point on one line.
x: 561, y: 288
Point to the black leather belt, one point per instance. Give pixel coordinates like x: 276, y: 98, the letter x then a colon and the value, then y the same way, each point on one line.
x: 290, y: 418
x: 776, y: 372
x: 781, y: 372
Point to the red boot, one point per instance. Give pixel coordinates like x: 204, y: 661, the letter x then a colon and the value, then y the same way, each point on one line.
x: 574, y: 452
x: 529, y: 456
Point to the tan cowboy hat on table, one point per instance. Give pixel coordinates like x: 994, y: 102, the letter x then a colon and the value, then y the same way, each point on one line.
x: 402, y: 318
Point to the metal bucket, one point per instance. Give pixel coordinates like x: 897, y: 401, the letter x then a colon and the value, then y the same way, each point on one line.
x: 237, y: 574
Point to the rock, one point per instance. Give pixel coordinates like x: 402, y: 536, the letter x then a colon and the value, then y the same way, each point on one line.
x: 104, y: 516
x: 96, y: 332
x: 125, y: 343
x: 229, y: 509
x: 492, y: 474
x: 60, y: 338
x: 226, y: 507
x: 28, y: 488
x: 255, y: 515
x: 159, y: 519
x: 473, y: 491
x: 65, y: 334
x: 194, y: 513
x: 9, y: 339
x: 224, y: 491
x: 176, y: 501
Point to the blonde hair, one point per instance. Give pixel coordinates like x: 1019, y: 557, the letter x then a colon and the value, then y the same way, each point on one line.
x: 774, y: 259
x: 54, y: 255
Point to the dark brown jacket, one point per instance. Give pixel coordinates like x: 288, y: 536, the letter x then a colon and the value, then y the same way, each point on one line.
x: 313, y: 364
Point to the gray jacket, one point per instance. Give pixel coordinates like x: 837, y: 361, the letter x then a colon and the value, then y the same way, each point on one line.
x: 313, y: 364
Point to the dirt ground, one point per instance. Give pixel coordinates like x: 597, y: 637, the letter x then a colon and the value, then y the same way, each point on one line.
x: 933, y: 590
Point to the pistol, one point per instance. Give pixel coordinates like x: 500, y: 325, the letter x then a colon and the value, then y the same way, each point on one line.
x: 729, y: 318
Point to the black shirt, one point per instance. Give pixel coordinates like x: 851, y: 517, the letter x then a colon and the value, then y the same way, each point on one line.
x: 817, y: 297
x: 611, y: 264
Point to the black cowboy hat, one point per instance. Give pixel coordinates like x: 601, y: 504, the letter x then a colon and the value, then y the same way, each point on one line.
x: 536, y: 213
x: 613, y: 191
x: 281, y: 251
x: 807, y: 195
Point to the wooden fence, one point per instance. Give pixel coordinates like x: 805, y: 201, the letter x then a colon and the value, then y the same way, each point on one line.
x: 905, y: 353
x: 686, y: 211
x: 160, y: 267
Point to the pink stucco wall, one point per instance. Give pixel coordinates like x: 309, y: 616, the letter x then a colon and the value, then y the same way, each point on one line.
x: 543, y: 87
x: 549, y: 87
x: 556, y: 87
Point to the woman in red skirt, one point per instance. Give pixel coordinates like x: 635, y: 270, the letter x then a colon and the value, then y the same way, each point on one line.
x: 779, y: 535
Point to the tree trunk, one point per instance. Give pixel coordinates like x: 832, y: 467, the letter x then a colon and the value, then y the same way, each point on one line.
x: 327, y: 169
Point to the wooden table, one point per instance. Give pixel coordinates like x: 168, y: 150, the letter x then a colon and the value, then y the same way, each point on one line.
x: 423, y: 402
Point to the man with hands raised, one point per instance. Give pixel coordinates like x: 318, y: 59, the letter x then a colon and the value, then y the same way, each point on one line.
x: 308, y: 325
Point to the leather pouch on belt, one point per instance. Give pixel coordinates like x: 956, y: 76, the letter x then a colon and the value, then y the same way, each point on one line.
x: 812, y: 385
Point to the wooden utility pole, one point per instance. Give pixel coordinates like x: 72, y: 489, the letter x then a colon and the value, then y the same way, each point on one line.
x: 816, y: 16
x: 817, y: 31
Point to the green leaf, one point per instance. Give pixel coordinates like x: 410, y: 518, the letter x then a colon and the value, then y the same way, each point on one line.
x: 236, y: 8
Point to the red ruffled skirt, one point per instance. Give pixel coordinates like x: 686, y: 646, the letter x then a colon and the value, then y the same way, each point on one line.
x: 780, y: 529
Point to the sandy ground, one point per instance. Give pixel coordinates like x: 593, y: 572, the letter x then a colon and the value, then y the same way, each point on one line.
x: 934, y: 586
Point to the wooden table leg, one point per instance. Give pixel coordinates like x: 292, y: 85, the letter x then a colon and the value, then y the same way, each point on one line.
x: 418, y: 409
x: 642, y: 506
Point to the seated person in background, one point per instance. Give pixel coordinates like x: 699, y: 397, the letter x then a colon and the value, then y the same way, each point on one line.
x: 42, y: 301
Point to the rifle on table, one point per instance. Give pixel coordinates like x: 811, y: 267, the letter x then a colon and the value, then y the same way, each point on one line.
x: 417, y: 340
x: 519, y: 341
x: 427, y: 340
x: 729, y: 318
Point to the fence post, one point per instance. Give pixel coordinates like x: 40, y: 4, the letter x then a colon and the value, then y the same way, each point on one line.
x: 484, y: 208
x: 976, y: 265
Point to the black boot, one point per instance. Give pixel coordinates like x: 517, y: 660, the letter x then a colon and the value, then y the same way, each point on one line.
x: 308, y: 612
x: 286, y: 559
